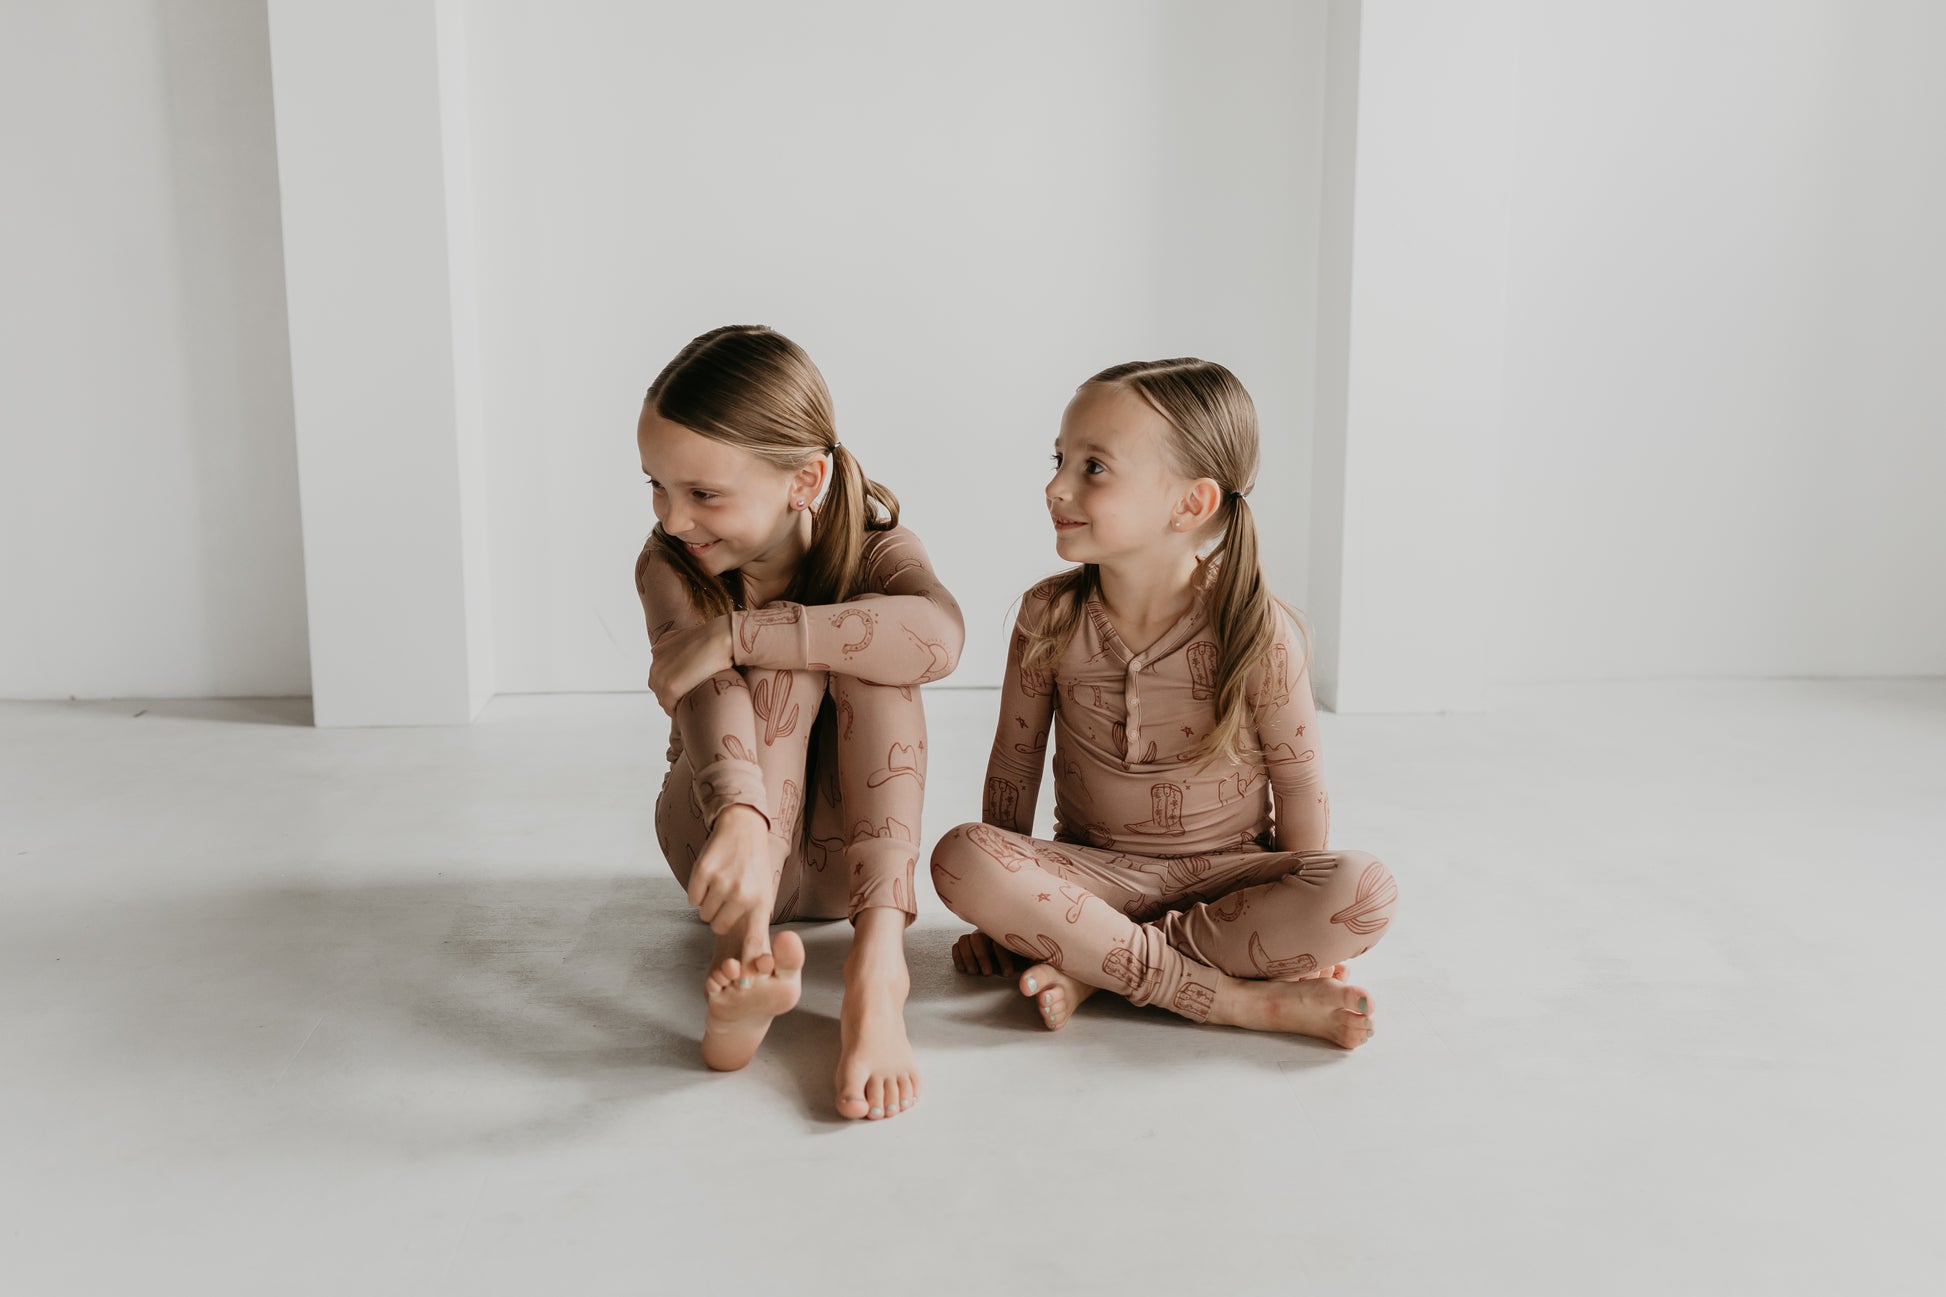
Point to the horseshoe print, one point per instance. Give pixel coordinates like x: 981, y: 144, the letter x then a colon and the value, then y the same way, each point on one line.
x: 867, y: 626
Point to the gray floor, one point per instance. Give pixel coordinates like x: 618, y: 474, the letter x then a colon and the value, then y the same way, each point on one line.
x: 291, y: 1011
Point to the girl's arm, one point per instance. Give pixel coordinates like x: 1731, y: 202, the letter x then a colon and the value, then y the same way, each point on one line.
x: 905, y: 629
x: 1287, y: 727
x: 717, y: 723
x: 1019, y: 753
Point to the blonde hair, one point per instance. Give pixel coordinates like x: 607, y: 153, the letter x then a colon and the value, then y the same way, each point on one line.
x: 752, y: 388
x: 1213, y: 427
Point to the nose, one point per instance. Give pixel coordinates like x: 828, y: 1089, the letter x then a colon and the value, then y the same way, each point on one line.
x: 1054, y: 491
x: 675, y: 520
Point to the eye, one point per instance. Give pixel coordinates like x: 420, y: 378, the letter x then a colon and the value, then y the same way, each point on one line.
x: 1096, y: 466
x: 1056, y: 457
x: 702, y: 495
x: 653, y: 484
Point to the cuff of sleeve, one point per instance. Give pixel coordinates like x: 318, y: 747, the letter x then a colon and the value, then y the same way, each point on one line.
x: 776, y: 624
x: 724, y: 783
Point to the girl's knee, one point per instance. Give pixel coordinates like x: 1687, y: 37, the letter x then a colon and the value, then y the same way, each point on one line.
x: 950, y: 854
x: 1364, y: 895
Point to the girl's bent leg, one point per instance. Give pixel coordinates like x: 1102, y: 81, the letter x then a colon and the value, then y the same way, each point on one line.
x: 1069, y: 906
x: 1282, y: 916
x: 880, y: 743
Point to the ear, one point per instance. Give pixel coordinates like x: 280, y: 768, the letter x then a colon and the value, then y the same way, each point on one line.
x: 1198, y: 505
x: 807, y: 483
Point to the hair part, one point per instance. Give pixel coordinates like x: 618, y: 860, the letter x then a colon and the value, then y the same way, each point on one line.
x: 752, y: 388
x: 1213, y: 434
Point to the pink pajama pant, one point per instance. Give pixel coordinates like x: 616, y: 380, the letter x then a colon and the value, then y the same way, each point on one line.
x: 862, y: 758
x: 1160, y: 929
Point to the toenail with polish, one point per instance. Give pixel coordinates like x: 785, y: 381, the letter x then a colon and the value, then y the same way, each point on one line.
x: 877, y: 1112
x: 1032, y: 986
x: 744, y: 981
x: 1361, y: 1004
x: 905, y: 1103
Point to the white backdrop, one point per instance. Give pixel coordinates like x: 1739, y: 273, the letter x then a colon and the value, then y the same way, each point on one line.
x: 1723, y: 443
x: 1725, y: 440
x: 149, y: 540
x: 961, y: 212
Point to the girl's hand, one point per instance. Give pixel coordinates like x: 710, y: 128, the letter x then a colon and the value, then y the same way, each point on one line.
x: 982, y: 956
x: 686, y: 658
x: 735, y: 880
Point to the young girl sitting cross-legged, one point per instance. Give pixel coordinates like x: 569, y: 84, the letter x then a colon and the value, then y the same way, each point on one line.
x: 792, y: 620
x: 1188, y: 867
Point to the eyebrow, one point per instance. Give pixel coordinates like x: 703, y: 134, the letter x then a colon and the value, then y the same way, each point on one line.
x: 687, y: 486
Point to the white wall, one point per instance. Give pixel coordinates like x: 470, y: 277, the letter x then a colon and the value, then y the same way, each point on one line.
x: 960, y: 211
x: 148, y: 503
x: 1725, y: 442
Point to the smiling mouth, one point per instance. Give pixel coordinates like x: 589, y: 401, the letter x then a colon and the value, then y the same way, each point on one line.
x: 1066, y: 524
x: 703, y: 548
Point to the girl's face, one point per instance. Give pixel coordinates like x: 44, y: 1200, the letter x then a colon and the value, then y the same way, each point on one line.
x: 1114, y: 494
x: 728, y: 506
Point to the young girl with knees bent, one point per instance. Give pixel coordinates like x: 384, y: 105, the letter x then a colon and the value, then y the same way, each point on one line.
x: 1188, y: 867
x: 791, y: 620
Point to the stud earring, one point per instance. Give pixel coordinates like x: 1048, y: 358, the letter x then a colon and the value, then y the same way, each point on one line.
x: 800, y: 504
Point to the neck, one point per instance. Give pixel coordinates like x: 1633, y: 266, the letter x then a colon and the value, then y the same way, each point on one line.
x: 769, y: 574
x: 1151, y: 592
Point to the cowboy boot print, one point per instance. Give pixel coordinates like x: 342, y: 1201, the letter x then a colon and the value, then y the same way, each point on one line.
x: 1002, y: 803
x: 999, y: 846
x: 1165, y: 813
x: 753, y: 623
x: 1202, y: 657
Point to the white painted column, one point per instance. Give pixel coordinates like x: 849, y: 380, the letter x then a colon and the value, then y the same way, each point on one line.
x: 1412, y: 291
x: 373, y: 156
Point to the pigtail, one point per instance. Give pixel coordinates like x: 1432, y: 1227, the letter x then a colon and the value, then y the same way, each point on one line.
x: 1243, y: 616
x: 853, y: 505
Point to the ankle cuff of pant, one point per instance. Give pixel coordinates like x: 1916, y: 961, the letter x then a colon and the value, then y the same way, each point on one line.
x: 881, y: 875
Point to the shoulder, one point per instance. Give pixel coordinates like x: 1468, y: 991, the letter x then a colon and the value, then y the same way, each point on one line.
x: 888, y: 554
x: 1286, y: 664
x: 661, y: 586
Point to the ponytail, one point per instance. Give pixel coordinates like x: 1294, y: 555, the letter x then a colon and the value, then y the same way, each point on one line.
x: 853, y: 505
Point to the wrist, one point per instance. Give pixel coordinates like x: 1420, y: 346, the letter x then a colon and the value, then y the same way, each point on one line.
x: 741, y: 816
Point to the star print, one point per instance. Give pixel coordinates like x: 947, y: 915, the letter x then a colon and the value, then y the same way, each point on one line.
x: 1189, y: 730
x: 1044, y: 896
x: 1300, y: 729
x: 1022, y: 722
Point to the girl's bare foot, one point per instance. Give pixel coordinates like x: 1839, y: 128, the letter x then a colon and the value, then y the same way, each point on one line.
x: 743, y: 998
x: 876, y: 1075
x: 1319, y: 1006
x: 1054, y: 993
x: 982, y: 956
